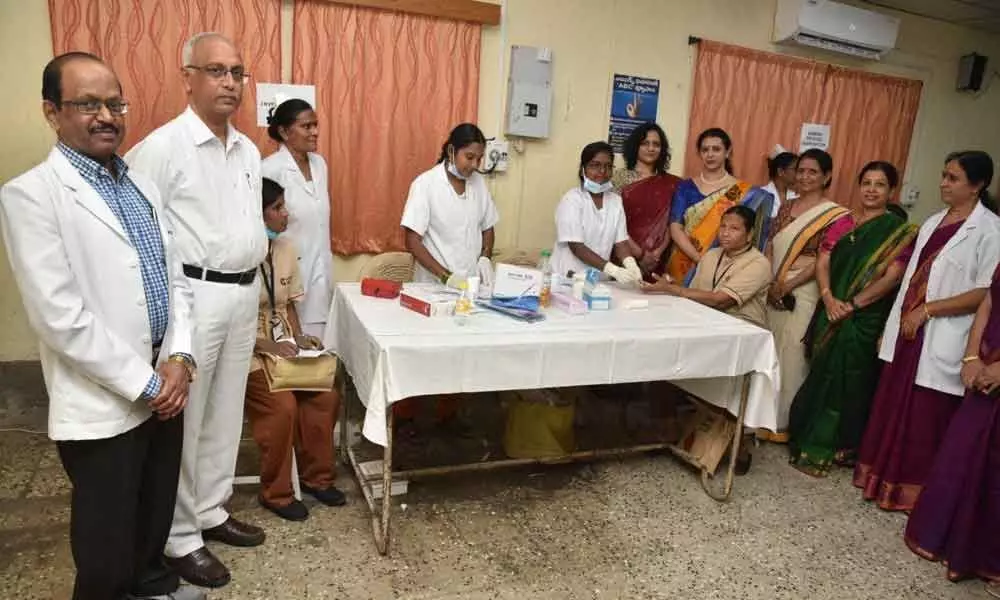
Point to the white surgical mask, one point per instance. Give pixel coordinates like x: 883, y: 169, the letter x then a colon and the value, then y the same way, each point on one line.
x: 596, y: 188
x: 454, y: 171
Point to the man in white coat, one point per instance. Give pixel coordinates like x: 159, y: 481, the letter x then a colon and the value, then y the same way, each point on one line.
x: 105, y: 293
x: 209, y: 176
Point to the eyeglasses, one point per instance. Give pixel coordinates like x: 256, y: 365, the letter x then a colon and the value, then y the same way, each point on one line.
x: 219, y: 72
x: 600, y: 166
x: 93, y: 107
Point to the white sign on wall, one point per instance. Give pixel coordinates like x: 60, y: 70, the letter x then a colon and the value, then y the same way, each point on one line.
x: 814, y: 135
x: 268, y: 95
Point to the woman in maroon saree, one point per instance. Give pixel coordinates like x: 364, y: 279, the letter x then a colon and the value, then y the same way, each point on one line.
x: 647, y: 189
x: 920, y: 389
x: 957, y: 518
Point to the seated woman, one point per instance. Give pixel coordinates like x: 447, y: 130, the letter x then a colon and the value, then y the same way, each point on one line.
x: 949, y: 271
x: 293, y: 421
x: 590, y: 222
x: 732, y: 277
x: 857, y: 273
x: 698, y: 204
x: 647, y: 191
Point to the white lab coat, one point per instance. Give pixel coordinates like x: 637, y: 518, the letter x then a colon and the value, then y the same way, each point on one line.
x: 579, y: 220
x: 965, y: 263
x: 82, y: 288
x: 308, y: 205
x: 451, y: 226
x: 773, y: 190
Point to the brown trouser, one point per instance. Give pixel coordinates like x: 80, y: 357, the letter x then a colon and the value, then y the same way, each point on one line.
x: 283, y: 421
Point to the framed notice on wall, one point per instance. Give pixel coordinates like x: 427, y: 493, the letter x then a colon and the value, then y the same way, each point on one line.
x: 633, y: 102
x: 270, y: 95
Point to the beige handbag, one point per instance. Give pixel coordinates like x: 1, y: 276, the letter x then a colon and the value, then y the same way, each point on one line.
x: 300, y: 373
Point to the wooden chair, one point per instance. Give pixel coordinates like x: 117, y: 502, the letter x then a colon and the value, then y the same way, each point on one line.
x: 394, y: 266
x: 517, y: 256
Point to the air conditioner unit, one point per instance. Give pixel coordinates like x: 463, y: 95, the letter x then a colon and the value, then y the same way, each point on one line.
x: 835, y: 27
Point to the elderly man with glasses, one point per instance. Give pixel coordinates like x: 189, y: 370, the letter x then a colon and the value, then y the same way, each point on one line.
x: 104, y: 290
x: 209, y: 175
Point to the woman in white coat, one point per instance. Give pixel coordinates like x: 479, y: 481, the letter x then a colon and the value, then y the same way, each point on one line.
x: 949, y: 272
x: 303, y: 173
x: 590, y: 222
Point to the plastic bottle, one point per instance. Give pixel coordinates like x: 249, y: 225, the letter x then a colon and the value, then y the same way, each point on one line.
x: 545, y: 266
x: 463, y: 306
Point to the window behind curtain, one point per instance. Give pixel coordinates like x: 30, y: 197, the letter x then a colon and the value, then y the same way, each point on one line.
x: 142, y: 41
x: 389, y: 88
x: 762, y: 99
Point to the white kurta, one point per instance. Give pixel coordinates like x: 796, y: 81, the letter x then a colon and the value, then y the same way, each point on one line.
x: 308, y: 204
x: 966, y: 262
x: 452, y: 226
x: 579, y: 220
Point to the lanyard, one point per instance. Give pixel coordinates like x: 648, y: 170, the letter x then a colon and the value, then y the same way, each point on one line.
x: 269, y: 283
x: 716, y: 277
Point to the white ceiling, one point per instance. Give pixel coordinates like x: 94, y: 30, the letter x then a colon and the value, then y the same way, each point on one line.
x: 980, y: 14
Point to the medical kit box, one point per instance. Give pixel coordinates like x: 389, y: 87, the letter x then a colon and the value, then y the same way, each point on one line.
x: 517, y: 287
x: 597, y: 297
x: 430, y: 300
x: 567, y: 303
x: 380, y: 288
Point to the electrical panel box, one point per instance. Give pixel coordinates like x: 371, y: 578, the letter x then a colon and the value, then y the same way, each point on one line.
x: 529, y: 92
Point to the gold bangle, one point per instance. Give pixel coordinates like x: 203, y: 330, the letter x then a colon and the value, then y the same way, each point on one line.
x: 968, y: 359
x: 927, y: 312
x: 824, y: 292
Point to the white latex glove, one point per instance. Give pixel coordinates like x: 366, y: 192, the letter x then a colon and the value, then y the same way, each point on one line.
x: 619, y: 274
x: 455, y: 280
x: 633, y: 267
x: 485, y: 268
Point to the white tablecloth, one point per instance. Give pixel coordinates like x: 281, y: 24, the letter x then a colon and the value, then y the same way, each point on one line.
x: 393, y: 353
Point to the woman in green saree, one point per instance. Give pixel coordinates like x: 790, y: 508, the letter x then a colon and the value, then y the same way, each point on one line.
x: 857, y: 273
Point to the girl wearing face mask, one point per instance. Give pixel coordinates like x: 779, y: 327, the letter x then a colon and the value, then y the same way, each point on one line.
x: 449, y: 216
x: 590, y: 222
x: 283, y: 422
x: 700, y: 202
x: 302, y: 172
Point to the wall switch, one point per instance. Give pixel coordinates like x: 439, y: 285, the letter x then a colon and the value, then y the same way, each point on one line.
x: 910, y: 196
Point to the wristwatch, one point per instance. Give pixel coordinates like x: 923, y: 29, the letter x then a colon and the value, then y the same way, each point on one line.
x: 187, y: 362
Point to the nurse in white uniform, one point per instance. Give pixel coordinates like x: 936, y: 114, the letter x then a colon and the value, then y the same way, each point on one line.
x: 781, y: 168
x: 590, y: 222
x: 449, y: 215
x: 303, y: 173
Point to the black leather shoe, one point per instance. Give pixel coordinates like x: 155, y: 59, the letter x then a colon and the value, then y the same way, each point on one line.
x: 295, y: 511
x: 331, y: 496
x: 235, y: 533
x: 200, y: 568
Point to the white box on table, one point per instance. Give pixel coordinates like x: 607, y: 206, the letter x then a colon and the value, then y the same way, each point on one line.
x: 430, y: 300
x: 512, y: 281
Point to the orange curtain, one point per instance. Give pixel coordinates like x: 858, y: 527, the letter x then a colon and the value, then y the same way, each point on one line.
x: 389, y: 88
x: 762, y: 99
x: 142, y: 41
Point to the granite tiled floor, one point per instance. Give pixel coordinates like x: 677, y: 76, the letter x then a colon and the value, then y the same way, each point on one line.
x: 635, y: 528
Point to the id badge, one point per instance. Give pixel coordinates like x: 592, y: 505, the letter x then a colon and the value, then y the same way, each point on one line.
x: 277, y: 329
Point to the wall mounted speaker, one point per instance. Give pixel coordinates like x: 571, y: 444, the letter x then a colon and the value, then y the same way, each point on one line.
x: 971, y: 68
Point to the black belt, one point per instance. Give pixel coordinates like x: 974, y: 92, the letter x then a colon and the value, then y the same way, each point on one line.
x: 244, y: 278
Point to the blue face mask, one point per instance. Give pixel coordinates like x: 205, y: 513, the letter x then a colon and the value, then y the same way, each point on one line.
x: 454, y: 171
x: 596, y: 188
x: 272, y: 235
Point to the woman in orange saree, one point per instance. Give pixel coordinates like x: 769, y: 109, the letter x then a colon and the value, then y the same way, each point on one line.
x: 700, y: 202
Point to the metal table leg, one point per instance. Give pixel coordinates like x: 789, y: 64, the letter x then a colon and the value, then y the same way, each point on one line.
x: 706, y: 477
